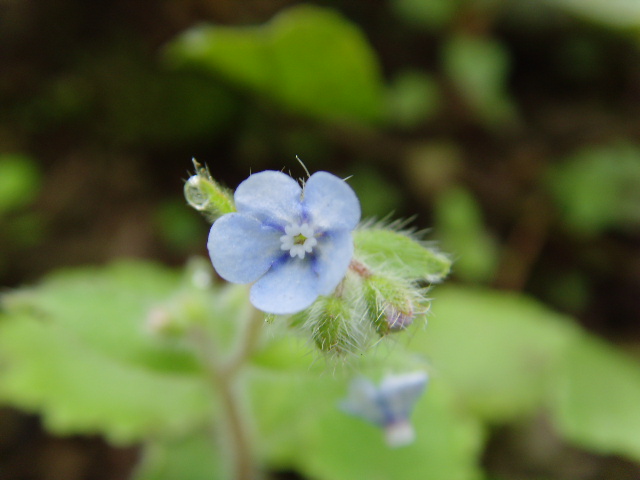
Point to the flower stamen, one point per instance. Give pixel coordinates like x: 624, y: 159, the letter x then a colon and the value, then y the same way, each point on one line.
x: 299, y: 239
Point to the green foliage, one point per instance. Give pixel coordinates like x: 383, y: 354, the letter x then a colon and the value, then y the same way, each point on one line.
x: 596, y: 397
x: 478, y: 67
x: 89, y: 350
x: 19, y: 181
x: 461, y: 229
x: 77, y: 350
x: 599, y: 188
x: 181, y: 229
x: 413, y: 98
x: 196, y: 457
x: 368, y: 183
x: 506, y: 356
x: 400, y: 254
x: 497, y: 350
x: 308, y: 59
x: 430, y: 14
x: 617, y: 13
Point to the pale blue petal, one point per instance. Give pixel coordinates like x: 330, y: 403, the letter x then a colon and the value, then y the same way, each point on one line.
x: 399, y: 393
x: 332, y: 258
x: 271, y: 197
x: 363, y: 402
x: 389, y: 404
x: 330, y: 203
x: 289, y: 287
x: 241, y: 248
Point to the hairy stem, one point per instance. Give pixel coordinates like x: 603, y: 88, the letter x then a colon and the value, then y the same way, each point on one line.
x: 236, y: 428
x: 224, y: 376
x: 247, y: 343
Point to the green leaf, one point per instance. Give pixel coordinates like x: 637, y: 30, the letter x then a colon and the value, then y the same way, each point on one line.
x: 596, y: 399
x: 447, y: 445
x: 599, y: 188
x: 430, y: 14
x: 413, y: 98
x: 301, y: 427
x: 79, y: 390
x: 197, y: 457
x: 106, y: 308
x: 617, y: 13
x: 497, y: 350
x: 460, y: 227
x: 368, y: 183
x: 77, y: 349
x: 309, y: 59
x: 19, y: 181
x: 391, y: 250
x: 478, y: 68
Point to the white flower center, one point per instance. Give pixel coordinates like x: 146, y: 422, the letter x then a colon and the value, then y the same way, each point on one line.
x: 298, y: 239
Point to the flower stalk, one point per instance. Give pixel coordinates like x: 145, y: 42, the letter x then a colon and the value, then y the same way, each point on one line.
x: 224, y: 376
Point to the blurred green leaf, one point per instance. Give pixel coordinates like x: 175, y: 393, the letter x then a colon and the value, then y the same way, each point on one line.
x: 368, y: 184
x: 596, y: 401
x: 460, y: 228
x: 497, y: 350
x: 197, y: 457
x: 309, y: 59
x: 77, y: 350
x: 302, y: 427
x: 478, y: 67
x: 19, y: 181
x: 617, y: 13
x: 180, y: 227
x: 107, y: 308
x: 599, y: 188
x: 79, y: 390
x: 431, y: 14
x: 413, y: 98
x: 400, y: 253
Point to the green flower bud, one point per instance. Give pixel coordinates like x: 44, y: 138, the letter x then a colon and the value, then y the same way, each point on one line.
x: 392, y: 304
x: 331, y: 325
x: 204, y: 194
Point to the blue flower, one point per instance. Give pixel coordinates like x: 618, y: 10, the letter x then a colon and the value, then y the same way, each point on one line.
x: 388, y: 406
x: 293, y: 242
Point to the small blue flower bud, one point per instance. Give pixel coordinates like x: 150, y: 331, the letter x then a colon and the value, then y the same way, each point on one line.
x: 389, y: 405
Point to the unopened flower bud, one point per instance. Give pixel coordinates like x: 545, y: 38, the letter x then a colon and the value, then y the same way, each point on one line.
x: 391, y: 304
x: 397, y: 319
x: 204, y: 194
x: 388, y: 405
x: 329, y: 320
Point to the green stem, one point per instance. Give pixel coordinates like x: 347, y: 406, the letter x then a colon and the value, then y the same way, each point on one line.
x: 247, y: 344
x: 224, y: 376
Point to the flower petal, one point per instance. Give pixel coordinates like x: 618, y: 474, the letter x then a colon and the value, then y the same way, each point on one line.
x: 400, y: 393
x: 271, y: 197
x: 241, y: 248
x: 333, y: 255
x: 330, y: 202
x: 363, y: 401
x: 289, y: 287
